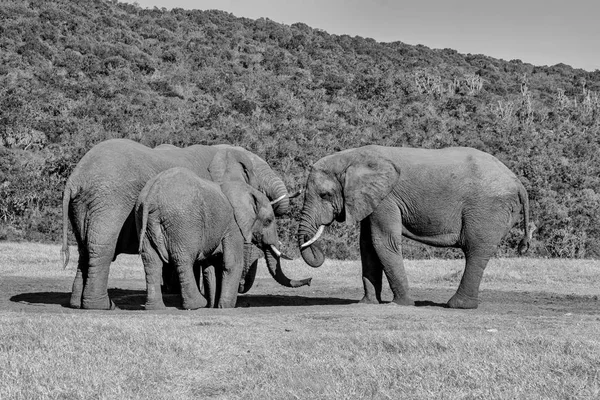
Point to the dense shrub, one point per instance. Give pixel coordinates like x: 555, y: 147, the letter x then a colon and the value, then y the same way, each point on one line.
x: 76, y: 73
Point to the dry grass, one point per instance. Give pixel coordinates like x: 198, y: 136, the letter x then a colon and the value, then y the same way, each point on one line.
x: 331, y: 352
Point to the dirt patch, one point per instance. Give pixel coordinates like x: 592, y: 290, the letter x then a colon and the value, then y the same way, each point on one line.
x: 41, y: 295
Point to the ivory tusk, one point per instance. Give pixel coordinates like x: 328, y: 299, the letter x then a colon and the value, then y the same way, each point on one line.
x: 279, y: 254
x: 277, y: 200
x: 296, y: 194
x: 314, y: 238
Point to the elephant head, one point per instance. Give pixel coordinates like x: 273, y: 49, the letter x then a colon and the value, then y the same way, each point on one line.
x: 267, y: 181
x: 256, y: 220
x: 346, y: 186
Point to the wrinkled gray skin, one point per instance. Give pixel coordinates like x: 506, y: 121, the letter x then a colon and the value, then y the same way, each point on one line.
x: 183, y: 219
x: 454, y: 197
x: 100, y: 195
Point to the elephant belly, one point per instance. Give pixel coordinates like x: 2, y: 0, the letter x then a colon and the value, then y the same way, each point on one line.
x: 438, y: 239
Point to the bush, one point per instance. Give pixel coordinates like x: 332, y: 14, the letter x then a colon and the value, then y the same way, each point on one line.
x: 75, y: 74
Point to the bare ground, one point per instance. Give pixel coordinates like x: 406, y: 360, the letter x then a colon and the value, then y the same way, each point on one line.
x: 44, y: 295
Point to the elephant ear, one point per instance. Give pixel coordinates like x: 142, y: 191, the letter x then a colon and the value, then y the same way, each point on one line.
x: 232, y: 165
x: 368, y: 180
x: 244, y: 204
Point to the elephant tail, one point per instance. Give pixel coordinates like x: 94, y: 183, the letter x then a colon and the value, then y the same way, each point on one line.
x: 65, y: 210
x: 528, y: 227
x: 142, y: 223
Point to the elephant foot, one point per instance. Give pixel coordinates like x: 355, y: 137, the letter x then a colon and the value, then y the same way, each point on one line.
x: 156, y: 305
x: 194, y: 304
x: 102, y: 304
x: 462, y: 301
x: 403, y: 301
x: 75, y: 302
x: 368, y: 300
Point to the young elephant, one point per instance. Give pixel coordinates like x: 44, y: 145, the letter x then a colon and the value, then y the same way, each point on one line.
x: 182, y: 219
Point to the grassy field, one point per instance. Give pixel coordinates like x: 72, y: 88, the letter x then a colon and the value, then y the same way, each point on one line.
x: 512, y: 349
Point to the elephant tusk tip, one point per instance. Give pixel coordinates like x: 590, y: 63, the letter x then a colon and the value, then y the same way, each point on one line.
x: 280, y: 254
x: 296, y: 194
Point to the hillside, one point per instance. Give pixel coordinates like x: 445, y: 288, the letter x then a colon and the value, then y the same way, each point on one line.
x: 75, y: 73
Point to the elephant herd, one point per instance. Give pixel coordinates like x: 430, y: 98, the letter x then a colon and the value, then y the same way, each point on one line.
x: 202, y: 216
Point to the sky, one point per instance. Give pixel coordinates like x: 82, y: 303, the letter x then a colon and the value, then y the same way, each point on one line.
x: 539, y: 32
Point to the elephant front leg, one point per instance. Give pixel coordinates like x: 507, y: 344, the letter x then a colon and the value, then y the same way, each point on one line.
x: 372, y: 273
x: 386, y: 239
x: 232, y: 271
x: 210, y: 285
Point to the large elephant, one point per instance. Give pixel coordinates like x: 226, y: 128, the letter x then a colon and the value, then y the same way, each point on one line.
x: 182, y: 219
x: 454, y: 197
x: 100, y: 195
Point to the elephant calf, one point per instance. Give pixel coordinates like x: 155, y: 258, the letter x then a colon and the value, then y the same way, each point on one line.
x: 182, y: 219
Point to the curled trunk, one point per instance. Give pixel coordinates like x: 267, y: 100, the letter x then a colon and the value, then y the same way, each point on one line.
x: 313, y: 254
x: 274, y: 266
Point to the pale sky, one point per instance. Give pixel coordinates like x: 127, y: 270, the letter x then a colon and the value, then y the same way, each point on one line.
x: 539, y: 32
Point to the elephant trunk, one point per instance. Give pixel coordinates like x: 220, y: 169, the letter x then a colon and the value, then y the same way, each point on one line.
x: 274, y: 266
x: 251, y: 256
x: 310, y: 250
x: 273, y: 186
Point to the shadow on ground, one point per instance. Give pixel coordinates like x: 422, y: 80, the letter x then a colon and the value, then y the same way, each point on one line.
x: 130, y: 299
x: 126, y: 299
x: 252, y: 300
x: 427, y: 303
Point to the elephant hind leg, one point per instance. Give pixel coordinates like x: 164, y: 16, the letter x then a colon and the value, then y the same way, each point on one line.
x: 467, y: 294
x: 99, y: 245
x: 190, y: 294
x: 78, y: 285
x: 481, y: 240
x: 95, y: 293
x: 152, y: 265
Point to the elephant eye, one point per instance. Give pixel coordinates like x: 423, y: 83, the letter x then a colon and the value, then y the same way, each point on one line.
x: 325, y: 195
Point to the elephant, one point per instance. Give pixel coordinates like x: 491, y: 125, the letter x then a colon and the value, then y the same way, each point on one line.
x: 182, y: 219
x: 453, y: 197
x: 100, y: 195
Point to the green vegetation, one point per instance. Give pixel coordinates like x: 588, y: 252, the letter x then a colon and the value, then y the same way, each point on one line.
x: 529, y: 348
x: 76, y: 73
